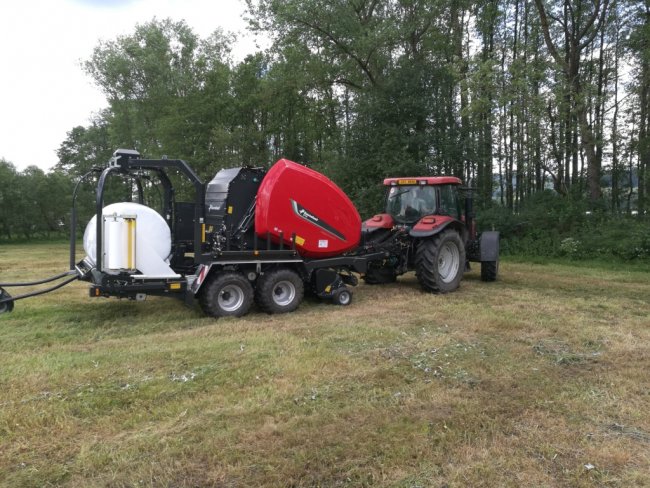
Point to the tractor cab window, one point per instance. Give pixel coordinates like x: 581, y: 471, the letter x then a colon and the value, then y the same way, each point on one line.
x: 449, y: 203
x: 408, y: 204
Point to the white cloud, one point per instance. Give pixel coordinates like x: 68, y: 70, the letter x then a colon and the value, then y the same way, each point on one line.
x: 43, y: 90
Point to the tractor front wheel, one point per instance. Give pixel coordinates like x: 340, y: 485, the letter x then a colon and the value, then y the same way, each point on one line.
x: 279, y: 291
x: 440, y: 261
x: 226, y: 295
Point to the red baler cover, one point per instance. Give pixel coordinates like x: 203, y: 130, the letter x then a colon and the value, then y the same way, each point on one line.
x: 295, y: 199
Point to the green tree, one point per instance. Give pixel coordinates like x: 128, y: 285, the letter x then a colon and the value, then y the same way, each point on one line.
x: 394, y: 74
x: 85, y: 147
x: 579, y: 24
x: 8, y: 198
x: 160, y: 83
x: 640, y: 48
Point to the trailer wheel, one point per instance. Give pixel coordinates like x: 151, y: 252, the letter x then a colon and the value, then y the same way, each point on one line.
x: 279, y: 291
x: 342, y: 296
x: 439, y: 262
x: 489, y: 270
x: 6, y: 306
x: 226, y: 295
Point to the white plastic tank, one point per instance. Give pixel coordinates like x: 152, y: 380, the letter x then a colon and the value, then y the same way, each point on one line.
x: 137, y: 240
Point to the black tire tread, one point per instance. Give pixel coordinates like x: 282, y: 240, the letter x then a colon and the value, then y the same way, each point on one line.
x: 6, y: 306
x: 489, y: 270
x: 264, y: 290
x: 208, y: 298
x: 337, y: 294
x: 426, y: 263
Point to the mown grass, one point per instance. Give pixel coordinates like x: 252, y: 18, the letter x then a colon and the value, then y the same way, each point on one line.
x: 522, y: 382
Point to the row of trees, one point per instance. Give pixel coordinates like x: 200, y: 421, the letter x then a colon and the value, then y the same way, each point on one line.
x: 514, y: 96
x: 539, y: 92
x: 31, y: 203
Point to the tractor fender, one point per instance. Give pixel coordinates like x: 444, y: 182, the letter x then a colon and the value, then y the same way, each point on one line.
x: 489, y: 246
x: 432, y: 225
x: 379, y: 221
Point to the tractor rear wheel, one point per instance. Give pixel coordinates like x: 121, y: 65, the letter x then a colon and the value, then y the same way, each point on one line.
x: 279, y: 291
x: 489, y: 270
x: 440, y: 261
x: 226, y: 295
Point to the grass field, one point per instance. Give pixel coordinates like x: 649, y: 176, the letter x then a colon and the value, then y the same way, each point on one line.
x: 539, y: 379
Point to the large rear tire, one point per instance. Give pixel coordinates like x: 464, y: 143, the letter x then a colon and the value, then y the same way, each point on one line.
x: 440, y: 261
x: 226, y: 295
x: 489, y: 270
x: 279, y: 291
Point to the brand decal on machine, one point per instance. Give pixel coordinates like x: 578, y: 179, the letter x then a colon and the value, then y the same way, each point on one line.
x: 303, y: 213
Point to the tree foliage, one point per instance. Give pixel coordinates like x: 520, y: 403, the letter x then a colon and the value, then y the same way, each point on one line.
x: 32, y: 202
x: 517, y: 97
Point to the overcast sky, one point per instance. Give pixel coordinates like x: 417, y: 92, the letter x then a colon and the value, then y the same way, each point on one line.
x: 44, y: 92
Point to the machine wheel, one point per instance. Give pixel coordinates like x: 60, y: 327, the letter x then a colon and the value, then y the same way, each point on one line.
x: 226, y: 295
x: 7, y: 306
x: 439, y: 262
x: 489, y: 270
x: 380, y: 276
x: 279, y: 291
x: 342, y: 296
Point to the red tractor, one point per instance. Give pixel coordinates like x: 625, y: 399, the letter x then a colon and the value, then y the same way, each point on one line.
x: 428, y: 227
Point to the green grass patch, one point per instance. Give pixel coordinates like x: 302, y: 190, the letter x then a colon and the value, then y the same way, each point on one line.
x: 521, y: 382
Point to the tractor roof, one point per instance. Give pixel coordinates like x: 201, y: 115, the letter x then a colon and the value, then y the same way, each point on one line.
x: 423, y: 180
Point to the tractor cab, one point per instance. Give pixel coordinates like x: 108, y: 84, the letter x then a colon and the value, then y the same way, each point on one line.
x: 410, y: 200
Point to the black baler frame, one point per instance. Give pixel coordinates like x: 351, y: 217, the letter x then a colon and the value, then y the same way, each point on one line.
x: 127, y: 161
